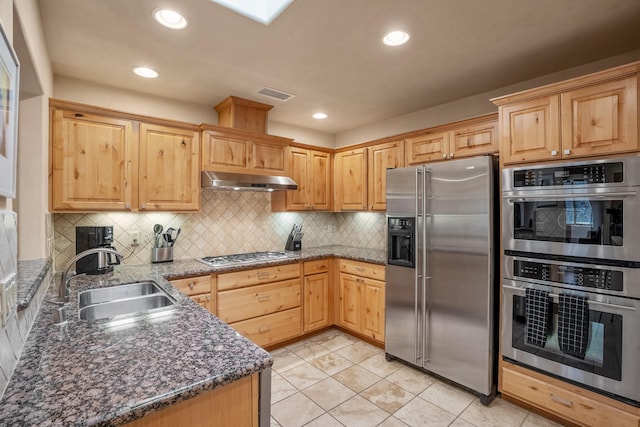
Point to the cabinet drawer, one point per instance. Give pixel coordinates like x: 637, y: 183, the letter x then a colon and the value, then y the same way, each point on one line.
x: 564, y: 403
x: 362, y: 269
x: 254, y: 301
x: 316, y: 266
x: 240, y: 279
x: 193, y: 285
x: 272, y: 328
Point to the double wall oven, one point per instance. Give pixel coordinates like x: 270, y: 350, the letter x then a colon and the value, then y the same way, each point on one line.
x: 571, y: 276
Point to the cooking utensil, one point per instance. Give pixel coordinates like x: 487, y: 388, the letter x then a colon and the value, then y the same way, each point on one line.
x: 177, y: 235
x: 157, y: 229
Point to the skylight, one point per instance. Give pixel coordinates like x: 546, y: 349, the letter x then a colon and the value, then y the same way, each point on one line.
x: 263, y: 11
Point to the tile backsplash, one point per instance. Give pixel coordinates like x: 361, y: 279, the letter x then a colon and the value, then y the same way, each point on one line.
x: 228, y: 222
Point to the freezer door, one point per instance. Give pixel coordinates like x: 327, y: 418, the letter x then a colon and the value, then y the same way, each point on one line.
x: 459, y: 320
x: 403, y: 318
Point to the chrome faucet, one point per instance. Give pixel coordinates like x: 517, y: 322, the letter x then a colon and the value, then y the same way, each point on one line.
x: 64, y: 283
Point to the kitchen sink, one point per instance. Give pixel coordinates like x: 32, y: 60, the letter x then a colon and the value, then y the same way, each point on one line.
x: 134, y: 298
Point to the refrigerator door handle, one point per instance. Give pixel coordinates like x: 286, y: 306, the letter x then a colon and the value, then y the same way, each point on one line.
x: 425, y: 287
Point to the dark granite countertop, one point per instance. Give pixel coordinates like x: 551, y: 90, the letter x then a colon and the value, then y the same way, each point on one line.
x: 99, y: 374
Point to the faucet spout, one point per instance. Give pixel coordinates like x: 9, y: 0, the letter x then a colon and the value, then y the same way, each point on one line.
x: 64, y: 282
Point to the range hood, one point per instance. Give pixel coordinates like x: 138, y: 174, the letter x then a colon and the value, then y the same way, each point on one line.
x: 213, y: 180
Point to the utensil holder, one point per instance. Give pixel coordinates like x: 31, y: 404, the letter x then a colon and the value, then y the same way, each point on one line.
x: 293, y: 245
x: 161, y: 254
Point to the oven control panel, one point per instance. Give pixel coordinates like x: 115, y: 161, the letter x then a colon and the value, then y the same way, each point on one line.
x: 598, y: 173
x: 570, y: 275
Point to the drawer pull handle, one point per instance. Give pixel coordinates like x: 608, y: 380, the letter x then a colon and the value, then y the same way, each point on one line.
x: 263, y: 275
x: 264, y: 329
x: 321, y: 266
x: 360, y: 268
x: 562, y: 401
x: 264, y: 297
x: 192, y: 285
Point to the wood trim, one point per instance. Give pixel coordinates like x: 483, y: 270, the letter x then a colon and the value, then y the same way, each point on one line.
x: 574, y: 83
x: 244, y: 134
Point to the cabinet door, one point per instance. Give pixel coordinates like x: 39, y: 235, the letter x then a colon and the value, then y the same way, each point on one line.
x: 204, y: 301
x: 169, y: 172
x: 382, y: 157
x: 298, y: 200
x: 600, y: 119
x: 530, y: 130
x: 91, y: 162
x: 474, y: 140
x: 426, y: 148
x: 316, y: 301
x: 373, y: 309
x: 224, y: 152
x: 350, y: 305
x: 268, y: 157
x: 351, y: 180
x: 320, y: 180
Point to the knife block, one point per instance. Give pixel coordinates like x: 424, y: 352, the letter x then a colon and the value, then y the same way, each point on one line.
x: 293, y: 245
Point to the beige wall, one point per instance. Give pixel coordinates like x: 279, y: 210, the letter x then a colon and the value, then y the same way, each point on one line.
x: 468, y: 107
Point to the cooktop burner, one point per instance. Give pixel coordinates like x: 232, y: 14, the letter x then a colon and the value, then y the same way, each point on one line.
x: 242, y: 258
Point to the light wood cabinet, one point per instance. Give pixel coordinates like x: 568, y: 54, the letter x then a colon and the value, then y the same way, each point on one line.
x: 169, y: 168
x: 317, y: 296
x: 575, y: 406
x: 199, y: 289
x: 362, y: 299
x: 467, y: 138
x: 235, y: 404
x: 351, y: 180
x: 240, y: 151
x: 92, y: 159
x: 311, y: 170
x: 380, y: 158
x: 103, y: 160
x: 593, y: 115
x: 263, y: 304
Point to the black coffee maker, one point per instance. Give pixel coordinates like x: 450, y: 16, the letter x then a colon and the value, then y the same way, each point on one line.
x: 95, y: 237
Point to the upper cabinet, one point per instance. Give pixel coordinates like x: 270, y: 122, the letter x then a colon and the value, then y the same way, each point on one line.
x: 311, y: 170
x: 468, y: 138
x: 380, y: 158
x: 351, y: 180
x: 236, y: 150
x: 169, y: 168
x: 593, y: 115
x: 101, y: 160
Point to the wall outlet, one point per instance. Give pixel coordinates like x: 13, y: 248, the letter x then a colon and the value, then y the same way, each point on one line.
x: 8, y: 298
x: 134, y: 238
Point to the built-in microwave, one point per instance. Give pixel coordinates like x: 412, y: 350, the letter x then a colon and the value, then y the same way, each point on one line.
x: 580, y: 209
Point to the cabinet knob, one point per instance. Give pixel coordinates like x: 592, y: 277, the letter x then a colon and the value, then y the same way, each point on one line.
x: 143, y: 206
x: 566, y: 152
x: 184, y: 144
x: 192, y: 285
x: 127, y: 205
x: 451, y: 155
x: 554, y: 152
x: 444, y: 156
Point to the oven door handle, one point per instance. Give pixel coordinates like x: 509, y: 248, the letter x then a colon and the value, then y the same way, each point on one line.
x: 608, y: 194
x: 591, y: 302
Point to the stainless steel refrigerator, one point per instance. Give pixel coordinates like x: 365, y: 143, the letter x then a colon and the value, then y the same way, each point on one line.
x: 440, y: 274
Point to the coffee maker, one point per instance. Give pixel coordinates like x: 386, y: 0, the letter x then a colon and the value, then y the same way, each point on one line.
x: 95, y: 237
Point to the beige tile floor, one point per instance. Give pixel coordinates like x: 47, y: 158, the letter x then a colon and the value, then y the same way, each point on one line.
x: 334, y: 379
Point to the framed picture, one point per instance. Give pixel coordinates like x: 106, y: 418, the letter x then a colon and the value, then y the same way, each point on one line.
x: 9, y: 86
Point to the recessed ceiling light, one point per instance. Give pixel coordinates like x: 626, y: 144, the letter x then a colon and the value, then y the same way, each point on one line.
x: 170, y: 19
x: 145, y: 72
x: 395, y: 38
x: 319, y: 116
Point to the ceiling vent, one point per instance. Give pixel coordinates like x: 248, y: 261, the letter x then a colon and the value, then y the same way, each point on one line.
x: 276, y: 94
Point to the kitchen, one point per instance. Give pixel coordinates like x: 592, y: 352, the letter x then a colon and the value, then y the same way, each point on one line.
x: 228, y: 218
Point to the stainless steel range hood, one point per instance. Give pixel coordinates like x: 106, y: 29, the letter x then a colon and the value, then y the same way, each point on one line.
x: 213, y: 180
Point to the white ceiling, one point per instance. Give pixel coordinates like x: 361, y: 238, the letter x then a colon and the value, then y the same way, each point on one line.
x: 328, y: 52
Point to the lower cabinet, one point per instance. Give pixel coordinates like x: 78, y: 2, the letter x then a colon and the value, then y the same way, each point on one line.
x: 235, y: 404
x: 579, y: 406
x: 317, y: 296
x: 361, y: 298
x: 263, y: 304
x: 199, y: 289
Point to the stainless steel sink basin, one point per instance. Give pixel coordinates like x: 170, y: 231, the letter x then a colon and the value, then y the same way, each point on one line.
x: 131, y: 299
x: 132, y: 290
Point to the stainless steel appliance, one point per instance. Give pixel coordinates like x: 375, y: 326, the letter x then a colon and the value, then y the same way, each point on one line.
x: 222, y: 260
x: 95, y: 237
x: 440, y: 282
x: 571, y: 278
